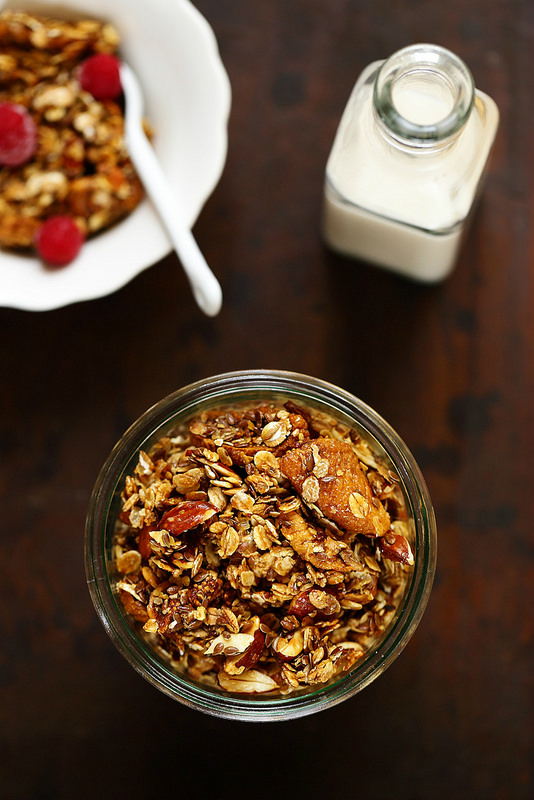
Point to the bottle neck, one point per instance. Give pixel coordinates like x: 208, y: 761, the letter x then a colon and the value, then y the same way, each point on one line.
x: 422, y: 97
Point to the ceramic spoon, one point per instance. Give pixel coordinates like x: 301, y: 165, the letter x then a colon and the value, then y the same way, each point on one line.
x: 205, y: 286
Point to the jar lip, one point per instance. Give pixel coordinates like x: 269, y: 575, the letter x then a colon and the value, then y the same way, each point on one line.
x: 224, y: 388
x: 432, y: 62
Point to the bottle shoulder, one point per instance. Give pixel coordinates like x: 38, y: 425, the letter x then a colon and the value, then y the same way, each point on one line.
x: 433, y: 188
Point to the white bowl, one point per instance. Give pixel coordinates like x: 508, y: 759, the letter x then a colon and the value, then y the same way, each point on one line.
x: 187, y: 99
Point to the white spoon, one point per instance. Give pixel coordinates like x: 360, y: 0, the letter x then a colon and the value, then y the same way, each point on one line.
x: 205, y: 286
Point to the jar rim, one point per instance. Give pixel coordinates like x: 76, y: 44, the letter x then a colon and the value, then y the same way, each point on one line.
x: 101, y: 516
x: 433, y: 63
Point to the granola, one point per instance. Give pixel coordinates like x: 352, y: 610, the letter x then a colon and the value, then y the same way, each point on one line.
x: 81, y: 167
x: 262, y: 549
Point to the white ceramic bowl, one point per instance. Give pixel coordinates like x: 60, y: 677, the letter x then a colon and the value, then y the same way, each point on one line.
x: 187, y: 99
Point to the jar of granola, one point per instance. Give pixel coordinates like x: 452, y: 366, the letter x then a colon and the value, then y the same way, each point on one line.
x: 260, y: 545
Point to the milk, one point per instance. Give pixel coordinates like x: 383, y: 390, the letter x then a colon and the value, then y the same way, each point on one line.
x: 405, y: 167
x: 411, y: 251
x: 422, y: 101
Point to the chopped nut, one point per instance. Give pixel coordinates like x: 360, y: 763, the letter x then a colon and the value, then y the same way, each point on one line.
x: 250, y: 681
x: 229, y: 644
x: 396, y: 547
x: 324, y: 601
x: 288, y: 648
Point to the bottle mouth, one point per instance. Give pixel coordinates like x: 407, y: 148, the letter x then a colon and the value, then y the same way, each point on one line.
x: 423, y: 94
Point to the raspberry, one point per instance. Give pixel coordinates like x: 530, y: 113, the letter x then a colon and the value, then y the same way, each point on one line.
x: 18, y: 135
x: 99, y: 75
x: 58, y: 241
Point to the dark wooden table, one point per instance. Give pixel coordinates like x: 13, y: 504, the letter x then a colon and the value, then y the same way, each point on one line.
x: 450, y: 366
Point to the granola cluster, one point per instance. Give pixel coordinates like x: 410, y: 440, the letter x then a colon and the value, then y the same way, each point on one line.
x: 81, y: 167
x: 262, y: 549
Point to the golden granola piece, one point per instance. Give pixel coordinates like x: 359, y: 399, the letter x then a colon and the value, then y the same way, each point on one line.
x: 327, y: 475
x: 312, y: 545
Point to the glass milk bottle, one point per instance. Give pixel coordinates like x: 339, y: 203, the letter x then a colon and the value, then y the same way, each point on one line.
x: 406, y: 162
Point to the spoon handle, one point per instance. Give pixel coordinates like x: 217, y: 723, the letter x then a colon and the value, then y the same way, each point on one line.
x: 204, y: 284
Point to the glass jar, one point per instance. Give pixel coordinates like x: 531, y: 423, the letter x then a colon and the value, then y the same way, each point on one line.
x: 231, y: 389
x: 406, y: 162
